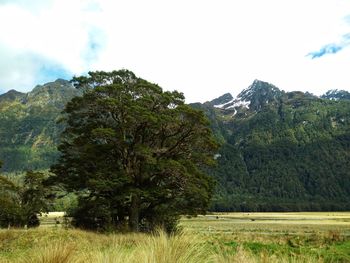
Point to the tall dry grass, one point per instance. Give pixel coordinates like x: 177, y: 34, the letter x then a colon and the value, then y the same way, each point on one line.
x: 158, y: 247
x: 57, y: 252
x: 75, y: 246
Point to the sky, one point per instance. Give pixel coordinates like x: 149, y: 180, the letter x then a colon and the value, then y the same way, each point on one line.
x: 203, y: 48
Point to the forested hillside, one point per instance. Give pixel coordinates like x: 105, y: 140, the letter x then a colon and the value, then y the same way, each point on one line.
x: 281, y: 151
x: 28, y: 125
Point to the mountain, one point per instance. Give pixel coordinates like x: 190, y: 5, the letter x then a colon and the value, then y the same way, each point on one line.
x: 10, y: 96
x: 336, y: 95
x: 28, y: 125
x: 281, y: 151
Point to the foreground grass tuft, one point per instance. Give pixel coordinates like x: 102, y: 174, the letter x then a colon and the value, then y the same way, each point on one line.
x: 57, y: 245
x: 179, y: 248
x: 71, y: 246
x: 57, y: 252
x: 159, y: 247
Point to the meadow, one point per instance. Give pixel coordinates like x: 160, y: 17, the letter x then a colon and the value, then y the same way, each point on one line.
x: 219, y: 237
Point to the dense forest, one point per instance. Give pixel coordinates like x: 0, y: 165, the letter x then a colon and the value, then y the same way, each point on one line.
x: 280, y: 151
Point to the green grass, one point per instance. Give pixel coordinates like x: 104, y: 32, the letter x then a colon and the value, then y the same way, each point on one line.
x: 277, y: 237
x: 228, y: 238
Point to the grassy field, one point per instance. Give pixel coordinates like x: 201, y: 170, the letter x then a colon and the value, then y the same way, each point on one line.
x: 232, y: 237
x: 277, y: 237
x: 271, y: 223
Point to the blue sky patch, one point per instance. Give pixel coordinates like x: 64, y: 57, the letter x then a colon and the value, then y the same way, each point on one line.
x: 51, y: 71
x: 347, y: 19
x: 328, y: 49
x: 24, y: 70
x: 95, y: 45
x: 331, y: 48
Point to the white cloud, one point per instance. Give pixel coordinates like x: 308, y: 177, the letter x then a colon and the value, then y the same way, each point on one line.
x: 36, y: 38
x: 18, y: 69
x: 200, y: 47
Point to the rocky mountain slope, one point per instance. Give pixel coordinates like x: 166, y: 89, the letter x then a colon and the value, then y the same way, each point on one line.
x: 28, y: 125
x: 337, y: 95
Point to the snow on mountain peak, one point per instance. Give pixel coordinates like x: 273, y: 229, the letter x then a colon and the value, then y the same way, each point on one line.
x: 223, y: 105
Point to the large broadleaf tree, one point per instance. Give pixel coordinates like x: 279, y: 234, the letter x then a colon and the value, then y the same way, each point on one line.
x: 133, y: 153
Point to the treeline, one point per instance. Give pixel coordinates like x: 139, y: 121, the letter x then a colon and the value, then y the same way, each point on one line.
x: 23, y: 200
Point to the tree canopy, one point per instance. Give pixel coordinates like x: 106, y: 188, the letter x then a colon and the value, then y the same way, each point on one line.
x: 133, y: 153
x: 21, y: 203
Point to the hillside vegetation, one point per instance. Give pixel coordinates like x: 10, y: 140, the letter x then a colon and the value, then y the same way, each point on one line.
x: 280, y: 151
x: 29, y: 131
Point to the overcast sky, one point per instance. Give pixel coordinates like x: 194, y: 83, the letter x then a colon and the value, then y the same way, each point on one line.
x: 202, y: 48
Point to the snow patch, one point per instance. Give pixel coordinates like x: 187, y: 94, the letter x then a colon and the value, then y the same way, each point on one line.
x: 216, y: 156
x: 220, y: 106
x: 234, y: 113
x: 240, y: 103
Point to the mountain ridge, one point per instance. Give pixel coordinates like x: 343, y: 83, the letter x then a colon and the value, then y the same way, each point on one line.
x: 28, y: 129
x: 281, y: 151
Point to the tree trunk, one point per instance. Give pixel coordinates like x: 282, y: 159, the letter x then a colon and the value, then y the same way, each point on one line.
x: 134, y: 214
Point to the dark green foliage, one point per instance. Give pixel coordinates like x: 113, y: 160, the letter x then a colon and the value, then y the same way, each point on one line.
x: 291, y: 154
x: 21, y: 204
x: 132, y: 154
x: 94, y: 214
x: 34, y: 197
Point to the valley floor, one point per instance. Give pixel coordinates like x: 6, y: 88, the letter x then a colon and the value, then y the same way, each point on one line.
x: 219, y: 237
